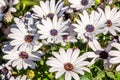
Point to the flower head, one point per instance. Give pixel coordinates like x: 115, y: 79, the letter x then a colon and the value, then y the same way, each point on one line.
x: 52, y: 30
x: 6, y: 71
x: 49, y: 9
x: 115, y: 55
x: 88, y: 27
x: 22, y: 37
x: 81, y: 4
x: 22, y: 59
x: 111, y: 20
x: 69, y: 63
x: 99, y: 53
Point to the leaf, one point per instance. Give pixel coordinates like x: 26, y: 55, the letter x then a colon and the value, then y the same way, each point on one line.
x: 110, y: 75
x: 101, y: 75
x: 117, y: 75
x: 84, y: 78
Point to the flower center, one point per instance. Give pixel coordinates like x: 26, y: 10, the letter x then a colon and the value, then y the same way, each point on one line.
x: 109, y: 23
x: 28, y: 38
x: 50, y: 15
x: 5, y: 9
x: 53, y: 32
x: 68, y: 66
x: 4, y: 71
x: 84, y: 2
x: 89, y: 28
x: 23, y: 55
x: 65, y: 37
x: 103, y: 54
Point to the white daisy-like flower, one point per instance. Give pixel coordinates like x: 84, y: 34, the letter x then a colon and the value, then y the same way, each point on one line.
x: 7, y: 5
x: 99, y: 53
x: 52, y: 30
x: 49, y: 9
x: 111, y: 20
x: 22, y: 58
x: 71, y: 37
x: 69, y: 63
x: 24, y: 77
x: 115, y: 55
x: 6, y: 71
x: 81, y: 4
x: 22, y: 37
x: 89, y: 26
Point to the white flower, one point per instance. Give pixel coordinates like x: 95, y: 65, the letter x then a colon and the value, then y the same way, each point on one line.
x: 49, y: 9
x: 81, y: 4
x: 89, y: 26
x: 115, y: 55
x: 98, y: 53
x: 22, y: 58
x: 22, y: 37
x: 52, y: 30
x: 68, y: 62
x: 111, y: 20
x: 71, y: 37
x: 7, y: 5
x: 6, y: 71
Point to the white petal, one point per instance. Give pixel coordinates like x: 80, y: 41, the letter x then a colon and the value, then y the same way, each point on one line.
x: 68, y: 76
x: 116, y: 45
x: 115, y: 60
x: 75, y: 55
x: 118, y: 68
x: 95, y: 45
x: 114, y: 53
x: 52, y: 6
x: 75, y: 76
x: 59, y: 73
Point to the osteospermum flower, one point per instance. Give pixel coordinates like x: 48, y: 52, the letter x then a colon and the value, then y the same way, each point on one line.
x: 49, y: 9
x: 23, y: 38
x: 81, y: 4
x: 99, y: 53
x: 71, y: 37
x: 22, y: 59
x: 111, y: 20
x: 52, y: 30
x: 115, y: 55
x: 7, y: 5
x: 6, y: 71
x: 69, y: 63
x: 88, y: 27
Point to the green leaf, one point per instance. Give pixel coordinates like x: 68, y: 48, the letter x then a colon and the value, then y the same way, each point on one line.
x: 101, y: 75
x: 117, y: 75
x: 110, y: 75
x: 83, y: 78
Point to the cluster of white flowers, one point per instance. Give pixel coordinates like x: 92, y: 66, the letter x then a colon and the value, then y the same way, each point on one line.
x: 47, y: 25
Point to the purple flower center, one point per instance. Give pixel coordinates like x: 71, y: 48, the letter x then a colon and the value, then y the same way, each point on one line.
x: 109, y: 23
x: 65, y: 37
x: 84, y: 2
x: 28, y: 38
x: 5, y: 9
x: 103, y: 54
x: 23, y: 55
x: 50, y: 15
x: 4, y: 71
x: 53, y: 32
x: 89, y: 28
x: 68, y: 66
